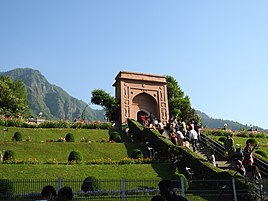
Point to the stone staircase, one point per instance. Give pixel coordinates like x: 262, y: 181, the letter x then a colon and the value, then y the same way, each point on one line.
x: 221, y: 162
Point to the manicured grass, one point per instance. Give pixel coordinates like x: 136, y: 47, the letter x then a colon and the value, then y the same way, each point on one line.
x: 133, y: 171
x: 40, y: 151
x: 46, y: 134
x: 59, y: 151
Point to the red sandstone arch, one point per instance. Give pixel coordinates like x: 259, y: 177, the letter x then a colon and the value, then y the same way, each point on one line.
x: 141, y: 92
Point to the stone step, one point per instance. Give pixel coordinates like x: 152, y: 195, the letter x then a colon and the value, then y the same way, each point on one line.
x: 225, y: 164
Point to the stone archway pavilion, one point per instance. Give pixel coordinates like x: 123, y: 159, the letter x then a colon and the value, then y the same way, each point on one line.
x: 139, y: 92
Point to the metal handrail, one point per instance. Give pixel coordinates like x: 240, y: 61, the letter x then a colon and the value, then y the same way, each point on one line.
x: 219, y: 149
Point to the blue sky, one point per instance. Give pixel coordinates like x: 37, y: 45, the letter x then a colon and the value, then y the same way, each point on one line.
x: 216, y: 50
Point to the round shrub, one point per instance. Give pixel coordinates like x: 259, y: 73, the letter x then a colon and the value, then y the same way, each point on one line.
x: 17, y: 136
x: 75, y: 156
x: 115, y: 136
x: 69, y: 137
x: 251, y: 141
x: 262, y: 153
x: 136, y: 153
x: 5, y: 186
x: 90, y: 184
x: 222, y: 139
x: 9, y: 155
x: 260, y: 135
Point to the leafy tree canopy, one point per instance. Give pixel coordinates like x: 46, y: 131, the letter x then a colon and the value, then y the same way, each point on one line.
x: 179, y: 104
x: 109, y: 103
x: 13, y: 97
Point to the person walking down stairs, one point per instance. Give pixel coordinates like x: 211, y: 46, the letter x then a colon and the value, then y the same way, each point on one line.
x: 193, y: 137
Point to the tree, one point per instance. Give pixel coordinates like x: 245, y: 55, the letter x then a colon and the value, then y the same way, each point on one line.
x: 179, y: 104
x: 13, y: 97
x: 109, y: 103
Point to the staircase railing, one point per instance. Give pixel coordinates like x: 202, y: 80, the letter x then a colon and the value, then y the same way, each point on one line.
x: 219, y: 149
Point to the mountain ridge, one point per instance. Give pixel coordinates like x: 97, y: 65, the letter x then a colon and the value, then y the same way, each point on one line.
x: 55, y: 103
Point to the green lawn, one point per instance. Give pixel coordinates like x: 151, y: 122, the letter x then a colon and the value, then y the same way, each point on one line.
x: 59, y: 151
x: 133, y: 171
x: 46, y: 134
x: 40, y: 152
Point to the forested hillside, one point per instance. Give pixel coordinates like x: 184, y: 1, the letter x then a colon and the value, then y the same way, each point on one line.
x: 51, y: 100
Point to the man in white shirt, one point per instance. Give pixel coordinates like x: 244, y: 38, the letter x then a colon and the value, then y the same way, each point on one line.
x: 193, y: 136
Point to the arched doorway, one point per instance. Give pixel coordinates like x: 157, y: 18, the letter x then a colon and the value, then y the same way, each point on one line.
x: 143, y: 104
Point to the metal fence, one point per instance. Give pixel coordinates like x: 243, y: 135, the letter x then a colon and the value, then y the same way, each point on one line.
x: 128, y: 190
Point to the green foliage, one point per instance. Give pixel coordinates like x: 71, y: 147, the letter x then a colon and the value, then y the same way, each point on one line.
x: 69, y: 137
x: 136, y: 153
x: 13, y: 97
x: 9, y: 155
x: 115, y: 136
x: 5, y: 186
x: 54, y: 124
x: 18, y: 136
x: 108, y: 102
x: 91, y: 125
x: 176, y: 177
x: 42, y: 97
x: 12, y: 123
x: 75, y: 156
x: 260, y: 135
x: 90, y: 184
x: 179, y: 104
x: 222, y: 139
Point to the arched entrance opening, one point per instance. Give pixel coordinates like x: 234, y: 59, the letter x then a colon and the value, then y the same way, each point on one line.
x: 143, y: 104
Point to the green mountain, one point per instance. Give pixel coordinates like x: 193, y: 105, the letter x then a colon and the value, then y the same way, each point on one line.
x: 210, y: 122
x: 50, y: 99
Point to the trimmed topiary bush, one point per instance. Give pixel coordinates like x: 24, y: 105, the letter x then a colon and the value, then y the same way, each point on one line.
x: 115, y: 136
x: 251, y: 141
x: 90, y: 184
x: 75, y: 156
x: 69, y: 137
x: 18, y: 136
x: 136, y: 153
x: 9, y: 155
x: 222, y: 139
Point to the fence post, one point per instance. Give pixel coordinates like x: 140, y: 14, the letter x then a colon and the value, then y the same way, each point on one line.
x: 59, y: 184
x: 123, y: 190
x: 182, y: 187
x: 234, y: 189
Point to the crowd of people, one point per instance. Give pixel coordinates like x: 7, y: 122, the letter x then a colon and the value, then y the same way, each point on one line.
x: 179, y: 132
x: 186, y: 134
x: 243, y: 158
